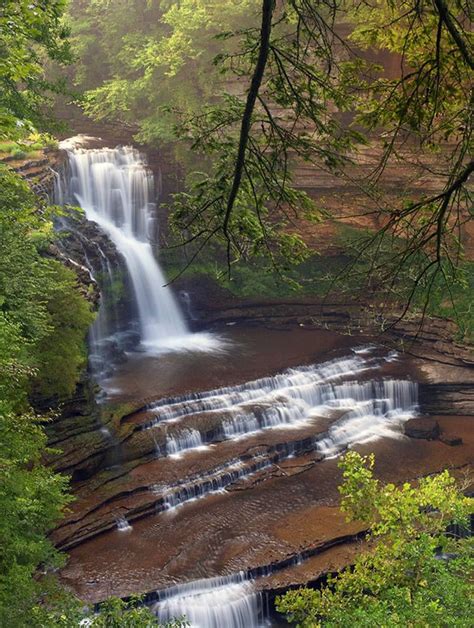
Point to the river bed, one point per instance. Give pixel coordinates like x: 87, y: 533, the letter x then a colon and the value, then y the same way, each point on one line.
x: 218, y: 487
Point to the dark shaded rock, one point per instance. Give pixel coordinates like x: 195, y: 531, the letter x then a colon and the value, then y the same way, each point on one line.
x: 451, y: 440
x: 422, y: 427
x: 447, y: 398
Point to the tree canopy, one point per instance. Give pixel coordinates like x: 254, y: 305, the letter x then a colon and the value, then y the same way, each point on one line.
x: 414, y: 573
x: 31, y: 31
x: 138, y: 58
x: 297, y: 85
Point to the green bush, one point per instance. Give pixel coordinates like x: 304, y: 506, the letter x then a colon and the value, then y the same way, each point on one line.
x: 38, y: 295
x: 400, y: 579
x: 43, y: 322
x: 18, y: 153
x: 61, y: 353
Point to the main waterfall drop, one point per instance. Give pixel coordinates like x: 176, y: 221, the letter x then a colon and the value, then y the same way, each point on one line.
x: 116, y: 191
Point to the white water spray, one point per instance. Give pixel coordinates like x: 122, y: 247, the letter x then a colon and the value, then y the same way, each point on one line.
x: 115, y: 189
x: 221, y: 602
x: 123, y: 525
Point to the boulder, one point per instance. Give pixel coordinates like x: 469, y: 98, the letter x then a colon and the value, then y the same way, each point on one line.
x: 422, y: 427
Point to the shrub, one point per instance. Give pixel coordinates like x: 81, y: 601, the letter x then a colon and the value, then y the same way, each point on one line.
x: 18, y: 153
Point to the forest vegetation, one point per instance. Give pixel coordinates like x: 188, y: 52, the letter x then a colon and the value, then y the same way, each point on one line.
x: 413, y: 573
x: 244, y: 90
x: 315, y: 97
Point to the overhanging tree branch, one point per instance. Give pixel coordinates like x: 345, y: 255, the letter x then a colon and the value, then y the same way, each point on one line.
x: 257, y: 77
x: 463, y: 46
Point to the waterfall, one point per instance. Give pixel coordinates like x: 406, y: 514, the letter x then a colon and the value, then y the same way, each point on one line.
x: 213, y: 482
x: 296, y: 398
x: 116, y: 191
x: 221, y: 602
x: 343, y: 412
x: 373, y: 410
x: 187, y: 439
x: 369, y: 411
x: 265, y: 389
x: 123, y: 525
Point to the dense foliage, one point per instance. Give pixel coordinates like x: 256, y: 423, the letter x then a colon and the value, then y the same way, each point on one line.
x: 39, y: 299
x: 296, y: 84
x: 31, y: 31
x: 413, y: 574
x: 139, y: 58
x: 116, y: 613
x: 43, y: 321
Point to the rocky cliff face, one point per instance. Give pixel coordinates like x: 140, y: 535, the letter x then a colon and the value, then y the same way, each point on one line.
x: 77, y: 430
x: 40, y: 172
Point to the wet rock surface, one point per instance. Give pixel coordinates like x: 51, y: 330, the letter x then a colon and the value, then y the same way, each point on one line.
x: 247, y: 504
x: 273, y: 520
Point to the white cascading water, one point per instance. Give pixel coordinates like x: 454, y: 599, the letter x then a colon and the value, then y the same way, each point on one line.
x: 187, y: 439
x: 370, y: 411
x: 263, y: 389
x: 295, y: 398
x: 222, y: 602
x: 123, y: 525
x: 115, y: 189
x: 299, y: 397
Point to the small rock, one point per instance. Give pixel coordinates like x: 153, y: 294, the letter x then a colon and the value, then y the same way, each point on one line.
x: 422, y: 427
x: 451, y: 440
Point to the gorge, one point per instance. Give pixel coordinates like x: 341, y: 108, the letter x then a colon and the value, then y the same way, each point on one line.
x: 236, y: 323
x: 216, y: 484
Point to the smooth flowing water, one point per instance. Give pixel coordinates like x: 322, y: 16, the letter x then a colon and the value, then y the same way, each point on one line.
x: 358, y: 411
x: 297, y: 397
x: 116, y: 191
x: 223, y: 602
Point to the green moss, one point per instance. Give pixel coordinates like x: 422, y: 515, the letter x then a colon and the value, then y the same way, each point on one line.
x: 7, y: 147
